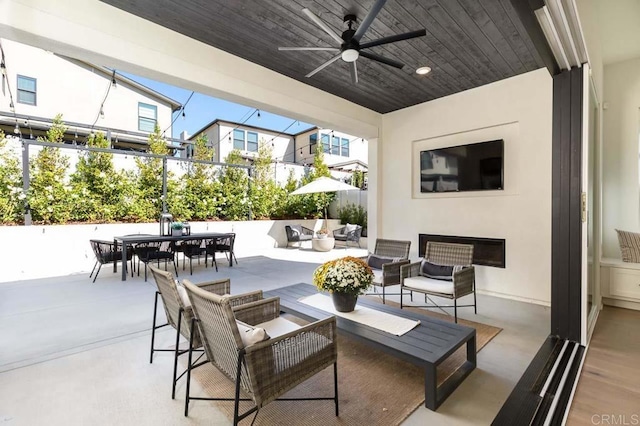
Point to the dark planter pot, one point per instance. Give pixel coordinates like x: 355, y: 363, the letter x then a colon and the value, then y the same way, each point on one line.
x: 344, y: 302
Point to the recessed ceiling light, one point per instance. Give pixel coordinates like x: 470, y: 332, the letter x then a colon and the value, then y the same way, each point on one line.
x: 423, y: 70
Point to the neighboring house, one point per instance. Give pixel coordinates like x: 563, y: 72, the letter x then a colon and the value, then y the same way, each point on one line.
x: 339, y: 148
x: 43, y: 84
x: 342, y: 152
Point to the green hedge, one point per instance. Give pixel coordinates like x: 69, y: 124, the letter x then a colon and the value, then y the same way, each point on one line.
x: 95, y: 192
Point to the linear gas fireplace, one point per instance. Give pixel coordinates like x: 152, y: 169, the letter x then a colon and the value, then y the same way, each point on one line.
x: 486, y: 251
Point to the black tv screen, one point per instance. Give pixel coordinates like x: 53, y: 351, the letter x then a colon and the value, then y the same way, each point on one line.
x: 472, y: 167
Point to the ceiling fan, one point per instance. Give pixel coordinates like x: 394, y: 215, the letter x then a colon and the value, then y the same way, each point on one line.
x: 350, y: 47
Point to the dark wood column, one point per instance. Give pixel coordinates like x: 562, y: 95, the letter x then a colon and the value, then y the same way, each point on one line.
x: 566, y: 301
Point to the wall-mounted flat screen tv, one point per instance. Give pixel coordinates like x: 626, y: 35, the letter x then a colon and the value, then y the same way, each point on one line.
x: 472, y: 167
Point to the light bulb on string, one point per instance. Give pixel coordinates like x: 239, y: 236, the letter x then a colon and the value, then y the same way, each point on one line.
x: 3, y: 68
x: 17, y: 129
x: 183, y: 114
x: 258, y: 114
x: 101, y: 112
x: 12, y: 107
x: 114, y: 83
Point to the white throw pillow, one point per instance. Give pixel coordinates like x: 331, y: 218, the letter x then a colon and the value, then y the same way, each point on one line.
x: 182, y: 292
x: 251, y: 335
x: 349, y: 228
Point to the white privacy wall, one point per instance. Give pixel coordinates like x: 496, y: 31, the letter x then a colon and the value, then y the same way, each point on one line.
x: 519, y: 110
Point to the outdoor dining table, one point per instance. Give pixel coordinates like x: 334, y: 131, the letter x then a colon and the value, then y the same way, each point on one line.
x: 126, y: 241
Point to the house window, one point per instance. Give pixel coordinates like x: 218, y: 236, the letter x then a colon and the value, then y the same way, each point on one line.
x: 345, y: 147
x: 238, y: 139
x: 252, y: 141
x: 313, y: 142
x: 147, y: 117
x: 325, y: 144
x: 26, y: 90
x: 335, y: 145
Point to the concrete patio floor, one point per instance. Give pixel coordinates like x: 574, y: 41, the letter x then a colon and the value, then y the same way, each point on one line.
x: 74, y: 352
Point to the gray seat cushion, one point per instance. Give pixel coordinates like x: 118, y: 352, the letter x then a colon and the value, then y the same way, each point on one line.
x: 377, y: 276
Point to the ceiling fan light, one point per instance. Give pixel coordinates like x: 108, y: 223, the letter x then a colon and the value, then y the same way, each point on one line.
x: 423, y: 70
x: 350, y: 55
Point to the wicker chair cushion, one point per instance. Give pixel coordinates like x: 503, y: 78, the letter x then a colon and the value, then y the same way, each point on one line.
x: 439, y: 272
x: 279, y: 326
x: 251, y: 335
x: 182, y: 292
x: 350, y: 228
x: 429, y: 284
x: 376, y: 261
x: 296, y: 230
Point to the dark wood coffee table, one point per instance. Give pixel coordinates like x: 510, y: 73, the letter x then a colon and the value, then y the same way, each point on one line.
x: 426, y: 346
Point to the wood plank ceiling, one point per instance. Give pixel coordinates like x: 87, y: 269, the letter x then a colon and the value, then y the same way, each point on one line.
x: 469, y: 43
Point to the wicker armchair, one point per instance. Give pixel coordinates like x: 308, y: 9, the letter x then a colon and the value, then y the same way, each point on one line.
x: 462, y: 283
x: 347, y: 233
x: 179, y: 314
x: 266, y: 369
x: 298, y: 234
x: 106, y: 252
x: 397, y: 253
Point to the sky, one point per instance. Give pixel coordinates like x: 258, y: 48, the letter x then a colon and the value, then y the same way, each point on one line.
x: 202, y: 110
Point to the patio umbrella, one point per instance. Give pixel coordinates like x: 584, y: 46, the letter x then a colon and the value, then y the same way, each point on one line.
x: 323, y: 184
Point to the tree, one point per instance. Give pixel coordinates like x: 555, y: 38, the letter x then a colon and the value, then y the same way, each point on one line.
x: 314, y: 205
x: 200, y: 189
x: 49, y: 196
x: 264, y: 193
x: 11, y: 192
x: 147, y: 203
x: 234, y: 182
x: 98, y: 190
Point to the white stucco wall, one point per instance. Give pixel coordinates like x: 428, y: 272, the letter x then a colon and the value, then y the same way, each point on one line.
x: 41, y: 251
x: 620, y: 182
x: 74, y: 90
x: 519, y: 111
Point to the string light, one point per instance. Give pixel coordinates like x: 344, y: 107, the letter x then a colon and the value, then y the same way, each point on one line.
x: 12, y: 107
x: 183, y: 114
x: 114, y: 83
x: 3, y: 68
x: 258, y: 114
x: 101, y: 112
x: 17, y: 129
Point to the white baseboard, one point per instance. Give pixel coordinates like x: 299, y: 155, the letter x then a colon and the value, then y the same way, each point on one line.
x: 621, y: 303
x: 512, y: 297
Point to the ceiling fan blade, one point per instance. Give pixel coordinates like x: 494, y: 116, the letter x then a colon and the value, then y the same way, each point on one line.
x: 394, y: 38
x: 323, y: 66
x: 319, y: 22
x: 364, y: 26
x: 354, y: 72
x: 331, y: 49
x: 382, y: 59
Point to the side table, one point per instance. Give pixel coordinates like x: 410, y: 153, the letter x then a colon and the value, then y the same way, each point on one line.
x: 323, y: 244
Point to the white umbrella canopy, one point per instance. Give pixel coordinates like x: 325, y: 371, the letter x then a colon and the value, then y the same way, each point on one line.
x: 323, y: 184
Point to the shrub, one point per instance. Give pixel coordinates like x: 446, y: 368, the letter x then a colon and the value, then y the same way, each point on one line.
x: 234, y: 181
x: 11, y: 192
x: 49, y: 196
x: 354, y: 214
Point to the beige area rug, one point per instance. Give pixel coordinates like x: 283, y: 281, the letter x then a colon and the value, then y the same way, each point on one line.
x: 373, y: 388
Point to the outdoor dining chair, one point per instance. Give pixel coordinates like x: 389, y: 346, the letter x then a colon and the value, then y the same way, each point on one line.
x: 191, y: 249
x: 179, y: 313
x: 155, y: 251
x: 245, y: 345
x: 106, y: 252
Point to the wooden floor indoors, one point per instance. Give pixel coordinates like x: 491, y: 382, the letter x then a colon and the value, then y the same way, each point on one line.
x: 609, y: 387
